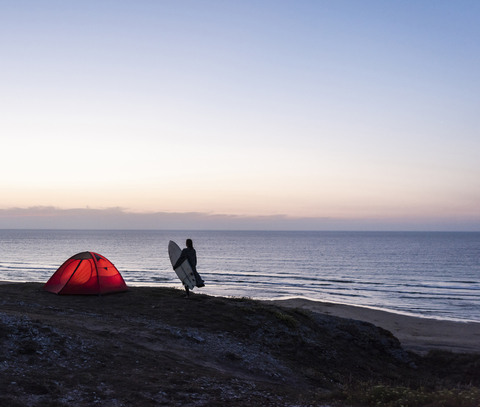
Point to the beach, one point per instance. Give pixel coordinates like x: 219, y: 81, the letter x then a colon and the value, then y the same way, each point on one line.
x: 415, y: 334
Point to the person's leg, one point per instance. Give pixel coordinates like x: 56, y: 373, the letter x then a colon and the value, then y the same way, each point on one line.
x: 188, y: 292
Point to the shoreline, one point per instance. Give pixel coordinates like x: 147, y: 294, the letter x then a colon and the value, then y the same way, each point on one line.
x: 388, y: 311
x: 416, y: 334
x: 284, y: 298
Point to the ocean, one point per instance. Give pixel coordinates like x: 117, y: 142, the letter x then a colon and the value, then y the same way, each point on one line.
x: 431, y: 274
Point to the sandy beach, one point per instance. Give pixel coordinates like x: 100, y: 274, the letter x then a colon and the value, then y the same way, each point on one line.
x: 416, y: 334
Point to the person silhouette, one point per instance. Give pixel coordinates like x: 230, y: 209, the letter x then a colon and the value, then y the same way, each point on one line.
x: 190, y: 254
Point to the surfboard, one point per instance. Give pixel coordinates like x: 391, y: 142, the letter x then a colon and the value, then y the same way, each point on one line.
x: 184, y: 271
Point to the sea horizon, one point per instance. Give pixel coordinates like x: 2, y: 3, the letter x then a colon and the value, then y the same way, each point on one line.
x: 424, y: 274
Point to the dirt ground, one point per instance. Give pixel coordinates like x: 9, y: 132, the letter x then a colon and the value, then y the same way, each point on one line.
x: 150, y: 346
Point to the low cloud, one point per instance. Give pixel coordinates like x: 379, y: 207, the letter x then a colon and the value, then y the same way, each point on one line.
x: 49, y: 217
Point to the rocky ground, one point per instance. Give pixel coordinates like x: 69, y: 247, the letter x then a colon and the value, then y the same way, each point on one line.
x: 150, y: 346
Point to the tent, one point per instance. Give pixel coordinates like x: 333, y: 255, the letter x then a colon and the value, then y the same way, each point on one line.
x: 86, y: 273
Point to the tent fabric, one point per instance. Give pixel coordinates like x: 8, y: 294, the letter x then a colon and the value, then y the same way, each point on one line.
x: 86, y: 273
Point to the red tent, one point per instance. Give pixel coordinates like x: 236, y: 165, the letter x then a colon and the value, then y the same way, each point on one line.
x: 86, y: 273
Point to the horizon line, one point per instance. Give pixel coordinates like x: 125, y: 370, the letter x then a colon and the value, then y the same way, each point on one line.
x: 241, y: 230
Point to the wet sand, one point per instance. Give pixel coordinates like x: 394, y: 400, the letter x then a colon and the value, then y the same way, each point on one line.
x: 416, y: 334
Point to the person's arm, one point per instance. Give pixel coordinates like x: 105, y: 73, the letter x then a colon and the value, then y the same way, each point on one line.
x: 181, y: 259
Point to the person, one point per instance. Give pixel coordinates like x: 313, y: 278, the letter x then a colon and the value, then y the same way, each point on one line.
x: 190, y: 254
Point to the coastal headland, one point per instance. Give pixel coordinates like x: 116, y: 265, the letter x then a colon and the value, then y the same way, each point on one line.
x: 150, y: 346
x: 420, y: 335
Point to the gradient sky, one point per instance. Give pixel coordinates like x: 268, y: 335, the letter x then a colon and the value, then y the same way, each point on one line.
x: 354, y: 111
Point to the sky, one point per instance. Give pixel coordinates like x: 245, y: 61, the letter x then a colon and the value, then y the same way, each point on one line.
x: 310, y: 115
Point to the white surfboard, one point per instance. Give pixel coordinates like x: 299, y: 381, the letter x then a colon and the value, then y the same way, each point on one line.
x: 184, y: 271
